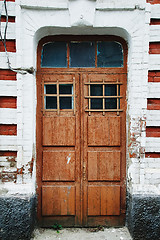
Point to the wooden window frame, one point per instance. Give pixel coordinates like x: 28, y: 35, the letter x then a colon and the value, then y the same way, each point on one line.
x: 69, y: 38
x: 58, y: 95
x: 103, y: 110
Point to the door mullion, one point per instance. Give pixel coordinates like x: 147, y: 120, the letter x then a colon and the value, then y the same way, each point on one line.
x: 84, y: 104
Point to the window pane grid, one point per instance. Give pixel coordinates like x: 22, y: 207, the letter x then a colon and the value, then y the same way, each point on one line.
x: 107, y: 101
x: 59, y: 101
x: 82, y: 54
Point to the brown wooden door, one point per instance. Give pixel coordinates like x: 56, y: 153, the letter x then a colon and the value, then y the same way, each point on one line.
x: 59, y: 170
x: 103, y: 149
x: 81, y: 150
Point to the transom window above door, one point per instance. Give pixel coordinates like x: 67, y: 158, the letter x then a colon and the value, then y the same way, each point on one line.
x: 82, y: 54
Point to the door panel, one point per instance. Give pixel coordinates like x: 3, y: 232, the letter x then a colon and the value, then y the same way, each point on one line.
x: 103, y: 131
x: 58, y: 131
x: 103, y: 200
x: 58, y: 200
x: 58, y: 166
x: 106, y: 166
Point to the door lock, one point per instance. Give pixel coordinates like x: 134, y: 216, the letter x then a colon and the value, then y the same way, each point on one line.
x: 84, y: 171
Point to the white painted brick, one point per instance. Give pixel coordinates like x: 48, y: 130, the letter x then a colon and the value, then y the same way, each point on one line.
x: 152, y: 144
x: 34, y: 4
x: 137, y: 55
x: 3, y: 60
x: 154, y: 165
x: 152, y: 170
x: 153, y: 177
x: 11, y: 34
x: 31, y: 28
x: 119, y: 5
x: 4, y: 164
x: 3, y: 159
x: 8, y: 116
x: 8, y: 88
x: 10, y: 8
x: 154, y: 33
x: 155, y: 10
x: 27, y: 155
x: 6, y: 158
x: 153, y: 90
x: 138, y: 95
x: 8, y: 140
x: 153, y: 118
x: 10, y: 169
x: 154, y: 62
x: 8, y: 147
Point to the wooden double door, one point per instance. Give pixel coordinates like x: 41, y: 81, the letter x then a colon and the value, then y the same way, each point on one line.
x: 81, y: 145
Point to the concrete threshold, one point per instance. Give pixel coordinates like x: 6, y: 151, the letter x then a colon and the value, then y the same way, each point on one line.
x: 98, y: 233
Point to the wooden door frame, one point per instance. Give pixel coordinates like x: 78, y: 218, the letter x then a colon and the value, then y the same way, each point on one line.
x: 49, y: 71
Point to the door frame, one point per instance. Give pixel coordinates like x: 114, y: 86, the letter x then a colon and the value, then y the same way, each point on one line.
x: 41, y: 71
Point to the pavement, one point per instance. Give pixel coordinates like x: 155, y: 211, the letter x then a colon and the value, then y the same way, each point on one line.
x: 82, y: 234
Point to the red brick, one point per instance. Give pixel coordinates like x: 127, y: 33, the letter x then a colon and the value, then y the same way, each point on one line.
x: 8, y: 102
x: 20, y: 170
x: 9, y: 177
x: 10, y: 45
x: 153, y: 103
x: 152, y: 131
x: 152, y: 155
x: 10, y: 19
x: 8, y: 129
x: 153, y: 1
x: 8, y: 0
x: 7, y: 75
x: 154, y: 48
x: 8, y: 153
x: 155, y: 21
x: 154, y: 76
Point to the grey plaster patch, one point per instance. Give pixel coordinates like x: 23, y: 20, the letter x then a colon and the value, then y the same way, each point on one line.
x: 143, y: 217
x: 3, y: 191
x: 17, y: 217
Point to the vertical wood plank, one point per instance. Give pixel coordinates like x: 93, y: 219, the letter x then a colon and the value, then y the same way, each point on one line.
x: 58, y: 166
x: 94, y: 202
x: 71, y: 201
x: 110, y: 200
x: 47, y: 135
x: 93, y: 166
x: 58, y: 200
x: 98, y: 132
x: 103, y: 200
x: 114, y: 131
x: 109, y: 165
x: 59, y: 131
x: 50, y: 201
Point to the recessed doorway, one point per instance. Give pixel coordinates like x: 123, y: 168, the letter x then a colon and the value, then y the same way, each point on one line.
x: 81, y: 130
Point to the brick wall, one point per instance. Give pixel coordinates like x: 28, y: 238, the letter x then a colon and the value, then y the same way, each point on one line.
x: 8, y: 109
x: 18, y: 92
x: 153, y: 1
x: 17, y: 103
x: 8, y: 102
x: 8, y: 166
x: 152, y: 155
